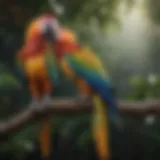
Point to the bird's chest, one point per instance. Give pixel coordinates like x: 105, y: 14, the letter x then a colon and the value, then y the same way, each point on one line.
x: 34, y: 47
x: 80, y: 82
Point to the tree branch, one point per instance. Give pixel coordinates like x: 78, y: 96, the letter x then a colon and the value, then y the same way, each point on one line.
x: 58, y: 106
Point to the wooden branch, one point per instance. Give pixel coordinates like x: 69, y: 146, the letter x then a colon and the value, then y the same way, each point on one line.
x: 58, y: 106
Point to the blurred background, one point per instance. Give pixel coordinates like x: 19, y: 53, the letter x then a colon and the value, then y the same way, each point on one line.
x: 126, y: 35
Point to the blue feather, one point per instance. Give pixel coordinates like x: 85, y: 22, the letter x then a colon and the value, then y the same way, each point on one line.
x: 98, y: 82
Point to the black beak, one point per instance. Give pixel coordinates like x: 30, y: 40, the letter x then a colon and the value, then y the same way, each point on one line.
x: 50, y: 34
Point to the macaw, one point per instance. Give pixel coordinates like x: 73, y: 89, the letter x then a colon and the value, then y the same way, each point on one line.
x: 81, y: 65
x: 35, y: 60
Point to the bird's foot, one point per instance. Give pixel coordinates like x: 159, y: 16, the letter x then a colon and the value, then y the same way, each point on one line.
x: 46, y: 100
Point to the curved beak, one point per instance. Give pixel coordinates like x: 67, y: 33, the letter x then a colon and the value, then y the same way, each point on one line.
x: 50, y: 34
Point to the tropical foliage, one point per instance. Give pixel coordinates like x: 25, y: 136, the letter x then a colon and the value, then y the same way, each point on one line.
x: 137, y: 139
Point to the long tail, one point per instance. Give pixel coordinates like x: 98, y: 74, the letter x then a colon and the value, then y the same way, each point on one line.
x: 46, y: 128
x: 101, y: 128
x: 45, y: 139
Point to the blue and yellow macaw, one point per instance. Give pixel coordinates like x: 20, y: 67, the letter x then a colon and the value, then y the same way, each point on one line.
x: 36, y: 61
x: 82, y: 66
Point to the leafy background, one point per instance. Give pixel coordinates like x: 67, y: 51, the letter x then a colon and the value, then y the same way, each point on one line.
x: 134, y: 78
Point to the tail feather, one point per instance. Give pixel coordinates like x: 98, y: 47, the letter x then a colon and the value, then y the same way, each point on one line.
x: 45, y: 139
x: 101, y: 128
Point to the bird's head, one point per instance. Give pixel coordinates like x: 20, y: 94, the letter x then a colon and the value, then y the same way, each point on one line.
x: 66, y: 43
x: 49, y: 27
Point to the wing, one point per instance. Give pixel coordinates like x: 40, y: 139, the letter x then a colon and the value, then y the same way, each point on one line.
x: 86, y: 65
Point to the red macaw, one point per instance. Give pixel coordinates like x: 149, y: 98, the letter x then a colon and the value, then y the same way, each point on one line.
x: 37, y: 63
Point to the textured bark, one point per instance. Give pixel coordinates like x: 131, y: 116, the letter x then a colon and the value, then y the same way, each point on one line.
x: 69, y: 106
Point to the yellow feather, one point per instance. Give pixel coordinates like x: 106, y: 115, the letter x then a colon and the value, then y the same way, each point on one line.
x: 45, y: 139
x: 85, y: 54
x: 100, y: 128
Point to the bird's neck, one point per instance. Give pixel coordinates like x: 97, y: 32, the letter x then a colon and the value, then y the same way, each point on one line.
x: 64, y: 48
